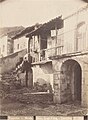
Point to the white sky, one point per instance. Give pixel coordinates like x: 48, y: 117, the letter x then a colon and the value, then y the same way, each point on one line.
x: 28, y: 12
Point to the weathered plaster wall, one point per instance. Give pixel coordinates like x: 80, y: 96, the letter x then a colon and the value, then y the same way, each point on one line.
x: 22, y: 43
x: 44, y: 72
x: 3, y: 46
x: 76, y: 32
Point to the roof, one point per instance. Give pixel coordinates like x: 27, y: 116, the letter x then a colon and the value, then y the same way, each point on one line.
x: 25, y: 31
x: 57, y: 22
x: 10, y: 31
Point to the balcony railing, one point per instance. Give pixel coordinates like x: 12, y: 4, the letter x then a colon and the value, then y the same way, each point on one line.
x: 46, y: 53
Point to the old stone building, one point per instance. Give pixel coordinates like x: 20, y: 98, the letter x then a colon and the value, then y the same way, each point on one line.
x: 59, y: 50
x: 41, y: 43
x: 70, y: 68
x: 3, y: 46
x: 6, y: 42
x: 20, y: 42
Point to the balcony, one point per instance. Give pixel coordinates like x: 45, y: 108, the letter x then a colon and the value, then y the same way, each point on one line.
x: 45, y: 54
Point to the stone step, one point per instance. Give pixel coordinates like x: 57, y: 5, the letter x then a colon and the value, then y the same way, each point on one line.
x: 6, y: 78
x: 32, y: 98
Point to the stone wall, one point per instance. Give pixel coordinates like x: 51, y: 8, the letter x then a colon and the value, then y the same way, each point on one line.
x: 83, y: 62
x: 9, y: 62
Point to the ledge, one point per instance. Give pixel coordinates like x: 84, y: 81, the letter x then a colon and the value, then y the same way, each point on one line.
x: 68, y: 55
x: 41, y: 62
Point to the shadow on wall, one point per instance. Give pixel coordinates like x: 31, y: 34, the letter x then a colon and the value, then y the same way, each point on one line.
x: 47, y: 68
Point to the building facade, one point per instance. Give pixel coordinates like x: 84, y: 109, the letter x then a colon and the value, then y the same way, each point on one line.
x: 60, y: 56
x: 20, y: 44
x: 20, y: 41
x: 6, y: 42
x: 70, y: 68
x: 6, y: 46
x: 42, y: 40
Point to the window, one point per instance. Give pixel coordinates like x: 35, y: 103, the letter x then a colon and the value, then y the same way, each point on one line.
x: 80, y: 36
x: 24, y: 45
x: 3, y: 48
x: 17, y: 46
x: 0, y: 50
x: 53, y: 33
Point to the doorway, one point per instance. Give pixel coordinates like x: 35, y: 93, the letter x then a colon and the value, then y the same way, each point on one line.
x: 71, y: 80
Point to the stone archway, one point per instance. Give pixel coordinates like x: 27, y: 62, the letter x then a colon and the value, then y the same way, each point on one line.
x: 70, y: 81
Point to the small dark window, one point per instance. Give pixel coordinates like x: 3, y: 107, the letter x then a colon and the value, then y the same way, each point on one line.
x: 3, y: 49
x: 0, y: 50
x: 17, y: 46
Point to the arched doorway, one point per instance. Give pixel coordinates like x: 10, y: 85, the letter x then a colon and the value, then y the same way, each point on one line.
x: 71, y: 75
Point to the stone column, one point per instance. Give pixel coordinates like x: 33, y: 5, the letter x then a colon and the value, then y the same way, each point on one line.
x: 56, y: 78
x: 85, y: 85
x: 56, y: 81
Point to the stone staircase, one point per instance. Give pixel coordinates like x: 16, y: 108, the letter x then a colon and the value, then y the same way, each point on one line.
x: 8, y: 81
x: 8, y: 84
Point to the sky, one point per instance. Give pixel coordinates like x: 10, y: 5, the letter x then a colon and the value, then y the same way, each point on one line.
x: 29, y: 12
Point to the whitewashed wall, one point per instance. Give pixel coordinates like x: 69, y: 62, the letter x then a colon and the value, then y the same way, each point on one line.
x: 23, y: 44
x: 44, y: 72
x: 3, y: 42
x: 70, y: 32
x: 83, y: 17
